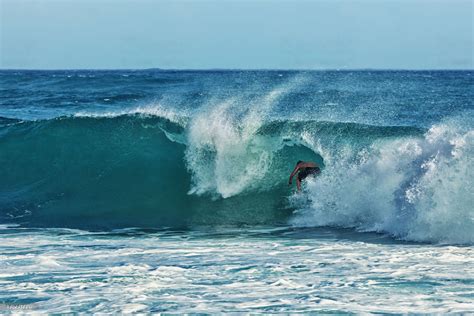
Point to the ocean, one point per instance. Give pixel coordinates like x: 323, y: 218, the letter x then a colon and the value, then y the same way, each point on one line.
x: 167, y: 191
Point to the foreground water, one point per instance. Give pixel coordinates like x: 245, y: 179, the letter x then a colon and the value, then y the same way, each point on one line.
x: 167, y: 191
x: 231, y: 270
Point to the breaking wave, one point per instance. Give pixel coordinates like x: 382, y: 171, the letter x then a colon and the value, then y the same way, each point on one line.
x: 149, y: 167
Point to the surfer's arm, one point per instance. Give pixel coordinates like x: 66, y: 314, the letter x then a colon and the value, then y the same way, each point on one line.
x: 302, y: 165
x: 294, y: 172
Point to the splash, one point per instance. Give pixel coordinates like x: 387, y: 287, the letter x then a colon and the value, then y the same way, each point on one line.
x: 224, y: 154
x: 415, y: 188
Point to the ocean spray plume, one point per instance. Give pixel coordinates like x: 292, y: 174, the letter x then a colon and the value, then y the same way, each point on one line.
x: 224, y: 154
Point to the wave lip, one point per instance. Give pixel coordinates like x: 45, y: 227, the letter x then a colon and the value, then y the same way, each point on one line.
x: 153, y: 109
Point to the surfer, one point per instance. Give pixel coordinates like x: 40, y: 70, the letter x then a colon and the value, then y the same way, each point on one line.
x: 305, y: 169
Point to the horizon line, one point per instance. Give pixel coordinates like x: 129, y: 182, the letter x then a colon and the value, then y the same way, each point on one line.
x: 237, y: 69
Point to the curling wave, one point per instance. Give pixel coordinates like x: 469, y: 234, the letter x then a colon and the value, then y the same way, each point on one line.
x: 149, y: 169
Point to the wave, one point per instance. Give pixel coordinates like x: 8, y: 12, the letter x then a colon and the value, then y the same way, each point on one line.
x: 218, y: 166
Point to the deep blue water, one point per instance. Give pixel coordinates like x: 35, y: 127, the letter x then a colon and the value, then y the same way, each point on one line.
x: 169, y: 189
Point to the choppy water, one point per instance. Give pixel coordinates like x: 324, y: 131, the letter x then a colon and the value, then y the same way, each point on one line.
x: 167, y: 191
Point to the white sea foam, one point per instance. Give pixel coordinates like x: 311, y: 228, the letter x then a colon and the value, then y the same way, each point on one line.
x: 199, y: 274
x: 413, y: 188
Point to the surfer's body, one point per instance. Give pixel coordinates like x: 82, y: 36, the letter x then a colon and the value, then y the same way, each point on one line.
x: 304, y: 169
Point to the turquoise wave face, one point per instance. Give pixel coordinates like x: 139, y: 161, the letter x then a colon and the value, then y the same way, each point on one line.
x: 121, y: 172
x: 136, y: 170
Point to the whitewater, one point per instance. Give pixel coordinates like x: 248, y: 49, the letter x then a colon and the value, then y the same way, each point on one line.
x: 167, y: 191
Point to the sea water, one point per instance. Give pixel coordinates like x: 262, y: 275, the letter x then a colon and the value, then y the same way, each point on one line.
x: 167, y: 191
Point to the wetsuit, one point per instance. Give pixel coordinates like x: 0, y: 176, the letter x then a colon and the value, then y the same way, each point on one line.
x: 304, y: 172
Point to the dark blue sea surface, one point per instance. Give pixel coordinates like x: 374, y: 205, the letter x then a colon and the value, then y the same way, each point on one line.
x: 169, y: 189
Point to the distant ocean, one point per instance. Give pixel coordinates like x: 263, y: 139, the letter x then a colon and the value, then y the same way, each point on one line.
x: 167, y: 191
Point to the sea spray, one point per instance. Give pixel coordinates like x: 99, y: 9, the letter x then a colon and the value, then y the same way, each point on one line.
x: 415, y: 188
x: 224, y: 154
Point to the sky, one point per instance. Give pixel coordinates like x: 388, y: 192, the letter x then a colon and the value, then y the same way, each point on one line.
x: 230, y: 34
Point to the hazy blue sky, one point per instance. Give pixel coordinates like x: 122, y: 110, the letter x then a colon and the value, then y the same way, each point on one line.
x: 410, y: 34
